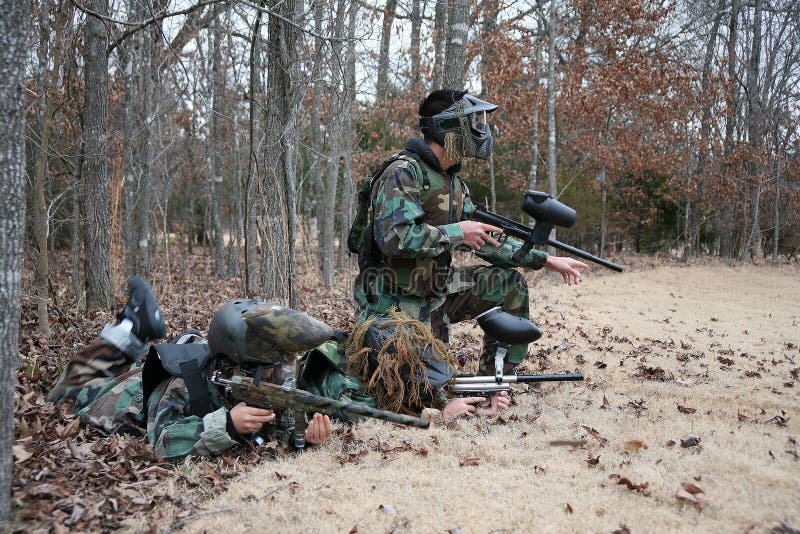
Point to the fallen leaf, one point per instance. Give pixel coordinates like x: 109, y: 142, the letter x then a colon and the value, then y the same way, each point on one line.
x: 624, y: 481
x: 634, y: 445
x: 595, y: 434
x: 725, y: 361
x: 692, y: 494
x: 20, y: 454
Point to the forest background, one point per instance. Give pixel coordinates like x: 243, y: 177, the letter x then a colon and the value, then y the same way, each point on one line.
x: 152, y: 127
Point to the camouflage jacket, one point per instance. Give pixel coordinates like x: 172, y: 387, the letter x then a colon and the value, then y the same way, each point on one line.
x: 416, y: 208
x: 106, y: 388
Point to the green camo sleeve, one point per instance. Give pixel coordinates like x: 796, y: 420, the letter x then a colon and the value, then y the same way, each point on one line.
x: 503, y: 256
x: 399, y: 231
x: 176, y: 435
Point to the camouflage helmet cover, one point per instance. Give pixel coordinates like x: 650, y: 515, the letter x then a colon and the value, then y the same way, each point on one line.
x: 250, y: 331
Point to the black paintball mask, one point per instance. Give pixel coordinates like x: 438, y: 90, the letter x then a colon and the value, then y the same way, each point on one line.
x: 462, y: 129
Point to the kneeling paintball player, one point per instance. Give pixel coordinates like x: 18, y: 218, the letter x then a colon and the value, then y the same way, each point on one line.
x: 415, y: 211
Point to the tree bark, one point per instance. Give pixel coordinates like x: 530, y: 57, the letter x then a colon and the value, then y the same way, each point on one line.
x: 335, y: 145
x: 95, y: 168
x: 456, y: 56
x: 13, y: 49
x: 551, y: 110
x: 215, y: 167
x: 127, y: 57
x: 439, y: 43
x: 348, y: 135
x: 382, y: 84
x: 416, y: 25
x: 537, y: 75
x: 755, y: 130
x: 250, y: 236
x: 278, y: 186
x: 46, y: 108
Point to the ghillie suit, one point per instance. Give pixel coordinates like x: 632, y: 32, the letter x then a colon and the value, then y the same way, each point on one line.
x: 399, y: 362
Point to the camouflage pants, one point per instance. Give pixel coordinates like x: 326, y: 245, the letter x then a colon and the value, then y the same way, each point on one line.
x: 471, y: 291
x: 105, y: 387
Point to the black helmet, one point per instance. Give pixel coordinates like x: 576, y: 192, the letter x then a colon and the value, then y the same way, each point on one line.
x: 466, y: 118
x: 227, y: 333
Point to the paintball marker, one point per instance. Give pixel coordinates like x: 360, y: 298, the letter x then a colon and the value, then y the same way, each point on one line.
x: 547, y: 212
x: 508, y: 330
x: 289, y: 400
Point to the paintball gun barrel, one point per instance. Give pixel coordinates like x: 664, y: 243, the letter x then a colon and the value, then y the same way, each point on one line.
x: 481, y: 385
x: 292, y: 400
x: 547, y: 212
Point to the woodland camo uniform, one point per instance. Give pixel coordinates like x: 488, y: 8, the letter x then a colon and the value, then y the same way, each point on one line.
x: 415, y: 208
x: 105, y: 383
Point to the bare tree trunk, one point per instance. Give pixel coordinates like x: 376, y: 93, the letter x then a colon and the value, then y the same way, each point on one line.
x: 278, y: 188
x: 601, y: 179
x: 127, y: 59
x: 456, y: 56
x: 416, y: 25
x: 551, y: 110
x: 704, y: 154
x: 732, y: 101
x: 45, y: 112
x: 75, y: 243
x: 348, y: 136
x: 13, y: 49
x: 382, y: 85
x: 95, y: 170
x: 314, y: 204
x: 754, y: 127
x: 334, y: 149
x: 439, y: 43
x: 144, y: 193
x: 250, y: 236
x: 537, y: 75
x: 215, y: 178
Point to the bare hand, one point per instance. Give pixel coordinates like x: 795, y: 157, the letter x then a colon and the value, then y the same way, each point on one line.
x: 247, y: 419
x: 476, y: 234
x: 460, y: 406
x: 319, y: 429
x: 497, y: 403
x: 566, y: 267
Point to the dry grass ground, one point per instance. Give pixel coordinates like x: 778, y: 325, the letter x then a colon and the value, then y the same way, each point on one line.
x: 721, y: 342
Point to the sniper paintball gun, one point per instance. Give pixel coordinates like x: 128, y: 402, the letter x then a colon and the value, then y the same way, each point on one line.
x: 507, y: 330
x: 268, y: 338
x: 547, y: 212
x: 286, y: 398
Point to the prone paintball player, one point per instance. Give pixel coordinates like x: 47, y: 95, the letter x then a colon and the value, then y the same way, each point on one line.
x: 414, y: 213
x: 122, y: 384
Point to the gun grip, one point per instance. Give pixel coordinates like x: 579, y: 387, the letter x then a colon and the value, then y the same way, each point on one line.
x: 300, y: 425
